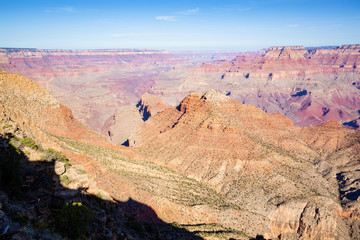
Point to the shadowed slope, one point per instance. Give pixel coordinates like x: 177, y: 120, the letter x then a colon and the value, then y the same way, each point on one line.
x: 38, y: 202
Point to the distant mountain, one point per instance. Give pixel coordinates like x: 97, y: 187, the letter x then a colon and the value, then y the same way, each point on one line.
x: 309, y: 86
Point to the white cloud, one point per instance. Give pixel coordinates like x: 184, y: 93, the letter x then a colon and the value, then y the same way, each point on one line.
x: 61, y: 10
x: 235, y: 9
x: 177, y: 15
x: 67, y: 9
x: 244, y: 9
x: 166, y: 18
x: 336, y: 25
x: 118, y: 35
x: 189, y: 11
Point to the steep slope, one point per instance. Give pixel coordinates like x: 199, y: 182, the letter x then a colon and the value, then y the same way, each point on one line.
x: 143, y: 199
x: 44, y: 195
x: 127, y: 118
x: 259, y: 162
x: 218, y: 168
x: 37, y: 112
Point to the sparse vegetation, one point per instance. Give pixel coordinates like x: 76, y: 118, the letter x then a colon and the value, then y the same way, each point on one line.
x: 73, y: 219
x: 212, y: 230
x: 53, y: 155
x: 29, y: 142
x: 65, y: 179
x: 14, y: 142
x: 7, y: 126
x: 150, y: 177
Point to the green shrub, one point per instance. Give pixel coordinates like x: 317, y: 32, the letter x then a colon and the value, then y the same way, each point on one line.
x: 53, y: 155
x: 29, y: 142
x: 65, y: 179
x: 14, y: 142
x: 7, y: 126
x: 73, y: 219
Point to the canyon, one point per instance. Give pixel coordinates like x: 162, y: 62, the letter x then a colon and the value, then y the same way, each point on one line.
x: 267, y: 154
x: 94, y: 83
x: 308, y: 85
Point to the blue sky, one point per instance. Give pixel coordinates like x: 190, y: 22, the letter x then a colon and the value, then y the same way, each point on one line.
x: 178, y: 24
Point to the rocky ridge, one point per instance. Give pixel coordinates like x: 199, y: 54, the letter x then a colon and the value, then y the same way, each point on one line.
x: 8, y: 53
x: 261, y: 163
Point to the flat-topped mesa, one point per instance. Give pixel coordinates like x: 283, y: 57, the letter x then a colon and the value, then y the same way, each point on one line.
x: 9, y: 53
x: 350, y: 46
x: 277, y: 48
x: 290, y: 53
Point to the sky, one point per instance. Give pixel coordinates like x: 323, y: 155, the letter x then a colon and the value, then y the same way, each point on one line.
x: 195, y: 25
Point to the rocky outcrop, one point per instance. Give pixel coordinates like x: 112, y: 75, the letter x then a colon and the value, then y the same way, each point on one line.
x: 150, y: 105
x: 317, y: 219
x: 126, y: 119
x: 288, y: 53
x: 121, y: 125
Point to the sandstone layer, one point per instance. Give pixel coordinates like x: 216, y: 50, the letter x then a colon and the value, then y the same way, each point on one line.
x: 308, y: 86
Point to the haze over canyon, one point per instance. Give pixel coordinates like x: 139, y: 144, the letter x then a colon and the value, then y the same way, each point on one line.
x: 101, y: 87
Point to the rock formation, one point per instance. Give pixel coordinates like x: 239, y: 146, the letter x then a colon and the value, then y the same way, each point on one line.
x: 212, y: 165
x: 308, y: 86
x: 149, y: 106
x: 259, y: 162
x: 126, y: 119
x: 32, y: 123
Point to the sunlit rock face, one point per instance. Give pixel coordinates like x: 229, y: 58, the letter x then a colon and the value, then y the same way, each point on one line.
x: 262, y: 162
